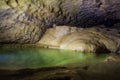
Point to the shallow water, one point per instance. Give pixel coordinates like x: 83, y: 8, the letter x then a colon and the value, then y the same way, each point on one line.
x: 32, y: 57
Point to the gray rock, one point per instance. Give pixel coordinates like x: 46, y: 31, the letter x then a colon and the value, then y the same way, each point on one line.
x: 25, y: 21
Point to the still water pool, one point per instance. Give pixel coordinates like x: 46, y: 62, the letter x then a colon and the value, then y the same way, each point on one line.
x: 32, y: 57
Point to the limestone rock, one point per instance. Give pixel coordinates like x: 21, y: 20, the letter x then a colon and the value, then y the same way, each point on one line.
x: 80, y: 39
x: 25, y: 21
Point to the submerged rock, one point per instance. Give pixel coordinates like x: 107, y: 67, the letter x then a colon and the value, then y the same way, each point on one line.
x: 85, y: 40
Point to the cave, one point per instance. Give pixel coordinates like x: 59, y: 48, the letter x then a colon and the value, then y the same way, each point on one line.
x: 59, y: 40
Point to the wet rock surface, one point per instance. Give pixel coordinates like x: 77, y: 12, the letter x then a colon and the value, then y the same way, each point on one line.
x: 95, y: 71
x: 98, y: 40
x: 24, y: 21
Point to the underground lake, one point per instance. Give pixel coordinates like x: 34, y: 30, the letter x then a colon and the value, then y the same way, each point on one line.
x: 36, y: 63
x: 35, y: 57
x: 13, y: 58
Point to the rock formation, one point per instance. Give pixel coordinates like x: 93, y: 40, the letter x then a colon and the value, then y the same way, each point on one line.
x: 25, y: 21
x: 86, y: 40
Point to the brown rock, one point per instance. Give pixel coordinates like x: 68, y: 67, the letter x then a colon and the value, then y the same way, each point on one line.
x: 18, y: 17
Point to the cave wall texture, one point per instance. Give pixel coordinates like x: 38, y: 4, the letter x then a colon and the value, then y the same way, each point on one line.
x: 24, y: 21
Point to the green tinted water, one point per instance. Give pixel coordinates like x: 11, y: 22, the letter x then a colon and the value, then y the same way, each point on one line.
x: 32, y: 57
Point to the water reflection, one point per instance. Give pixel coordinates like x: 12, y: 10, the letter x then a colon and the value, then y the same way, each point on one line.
x: 31, y: 57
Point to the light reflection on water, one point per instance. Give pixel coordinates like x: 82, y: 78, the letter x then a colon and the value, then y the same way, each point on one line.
x: 32, y: 57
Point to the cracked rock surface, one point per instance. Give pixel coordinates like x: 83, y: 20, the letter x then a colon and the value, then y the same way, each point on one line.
x: 25, y: 21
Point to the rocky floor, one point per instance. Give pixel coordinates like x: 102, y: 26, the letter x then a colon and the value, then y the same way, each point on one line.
x: 87, y: 71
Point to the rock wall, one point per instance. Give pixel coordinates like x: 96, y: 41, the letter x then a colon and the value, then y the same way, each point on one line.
x: 24, y: 21
x: 95, y: 40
